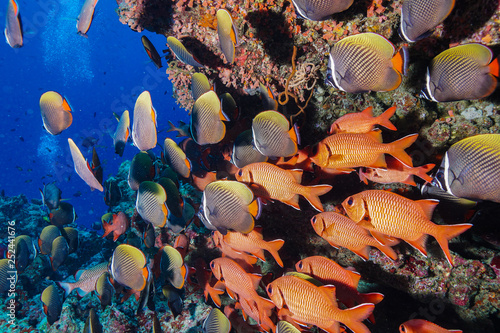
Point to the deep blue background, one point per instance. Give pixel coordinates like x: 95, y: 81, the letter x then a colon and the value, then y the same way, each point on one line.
x: 98, y: 75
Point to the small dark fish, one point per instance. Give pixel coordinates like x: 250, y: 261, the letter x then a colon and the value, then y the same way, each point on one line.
x: 89, y: 141
x: 151, y: 51
x: 92, y: 324
x: 25, y: 252
x: 28, y: 181
x: 96, y: 166
x: 59, y: 252
x: 77, y: 194
x: 71, y: 235
x: 112, y: 192
x: 19, y: 168
x: 149, y: 236
x: 51, y: 195
x: 229, y: 106
x: 21, y: 138
x: 104, y: 289
x: 174, y: 299
x: 52, y: 303
x: 174, y: 202
x: 64, y: 214
x: 141, y: 169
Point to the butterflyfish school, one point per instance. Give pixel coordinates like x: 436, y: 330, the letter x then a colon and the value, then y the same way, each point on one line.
x: 365, y: 62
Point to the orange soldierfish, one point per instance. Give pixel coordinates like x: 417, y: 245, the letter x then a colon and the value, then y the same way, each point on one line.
x: 345, y: 281
x: 181, y: 244
x: 239, y: 282
x: 346, y: 151
x: 387, y: 213
x: 423, y: 326
x: 119, y: 224
x: 228, y: 251
x: 396, y: 172
x: 248, y: 309
x: 339, y: 230
x: 308, y: 304
x: 253, y: 243
x: 362, y: 122
x: 272, y: 182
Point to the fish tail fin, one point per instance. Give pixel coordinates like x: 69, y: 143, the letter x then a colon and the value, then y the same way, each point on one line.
x: 373, y: 298
x: 397, y: 149
x: 354, y: 317
x: 107, y: 228
x: 264, y: 306
x: 446, y: 232
x: 388, y: 251
x: 67, y: 286
x: 312, y: 194
x: 495, y: 67
x: 273, y: 247
x: 383, y: 119
x: 214, y: 294
x: 422, y: 172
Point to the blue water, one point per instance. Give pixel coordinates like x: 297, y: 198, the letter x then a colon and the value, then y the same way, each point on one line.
x: 98, y: 75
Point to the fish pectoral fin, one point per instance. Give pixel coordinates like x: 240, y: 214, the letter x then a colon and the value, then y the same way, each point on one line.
x: 380, y: 162
x: 293, y: 201
x: 384, y: 239
x: 363, y: 252
x: 230, y: 293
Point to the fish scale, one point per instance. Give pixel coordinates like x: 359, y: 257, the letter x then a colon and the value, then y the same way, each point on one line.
x: 395, y: 215
x: 328, y: 271
x: 307, y: 303
x: 277, y: 182
x: 420, y: 16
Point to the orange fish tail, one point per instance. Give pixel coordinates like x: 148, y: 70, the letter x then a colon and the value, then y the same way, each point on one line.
x: 273, y: 248
x: 214, y: 294
x: 446, y: 232
x: 354, y: 317
x: 388, y: 251
x: 107, y: 228
x: 397, y: 149
x: 422, y: 172
x: 264, y: 306
x: 383, y: 119
x: 312, y: 193
x: 495, y: 67
x: 373, y: 298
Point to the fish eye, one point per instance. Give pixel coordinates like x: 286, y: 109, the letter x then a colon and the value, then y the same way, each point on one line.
x: 440, y: 175
x: 300, y: 265
x: 350, y: 201
x: 402, y: 329
x: 313, y: 220
x: 212, y: 265
x: 240, y: 172
x: 314, y: 150
x: 269, y: 289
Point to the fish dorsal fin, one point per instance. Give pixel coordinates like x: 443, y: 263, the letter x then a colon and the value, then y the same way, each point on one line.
x: 427, y: 206
x: 230, y: 293
x: 255, y: 280
x: 355, y: 276
x: 368, y: 112
x: 78, y: 274
x: 330, y: 291
x: 376, y: 135
x: 297, y: 175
